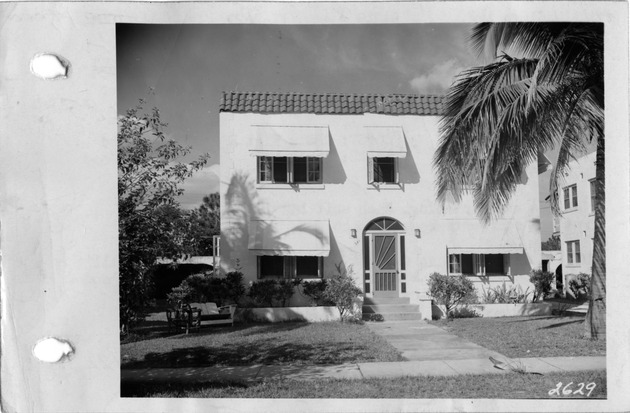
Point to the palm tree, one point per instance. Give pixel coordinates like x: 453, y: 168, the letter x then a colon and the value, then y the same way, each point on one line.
x: 548, y: 92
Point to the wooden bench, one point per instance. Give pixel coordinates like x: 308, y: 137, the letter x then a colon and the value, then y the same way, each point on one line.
x: 211, y: 314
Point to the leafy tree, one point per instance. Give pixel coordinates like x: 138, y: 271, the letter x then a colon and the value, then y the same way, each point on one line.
x: 497, y: 118
x: 450, y: 291
x: 206, y: 222
x: 552, y: 244
x: 150, y: 224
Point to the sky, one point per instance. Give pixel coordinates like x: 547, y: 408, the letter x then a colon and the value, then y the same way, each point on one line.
x: 182, y: 70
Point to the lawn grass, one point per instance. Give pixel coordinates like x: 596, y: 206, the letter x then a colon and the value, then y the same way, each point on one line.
x: 296, y: 343
x: 499, y: 386
x: 543, y: 336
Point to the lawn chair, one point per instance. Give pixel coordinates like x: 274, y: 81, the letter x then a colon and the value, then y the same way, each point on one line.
x: 183, y: 317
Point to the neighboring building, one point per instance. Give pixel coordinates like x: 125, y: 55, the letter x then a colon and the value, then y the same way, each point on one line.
x: 310, y: 181
x: 577, y: 223
x: 552, y: 262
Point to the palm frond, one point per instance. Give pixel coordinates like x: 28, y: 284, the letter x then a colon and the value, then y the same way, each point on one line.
x: 498, y: 117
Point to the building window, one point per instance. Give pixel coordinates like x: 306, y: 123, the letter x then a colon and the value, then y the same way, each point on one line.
x: 573, y: 252
x: 593, y: 194
x: 570, y: 196
x: 290, y: 267
x: 284, y: 169
x: 479, y: 264
x: 382, y: 170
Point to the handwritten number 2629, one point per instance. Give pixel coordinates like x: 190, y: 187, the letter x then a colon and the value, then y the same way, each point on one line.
x: 567, y: 390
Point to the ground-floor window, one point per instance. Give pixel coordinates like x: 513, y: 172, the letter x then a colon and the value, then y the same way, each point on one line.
x: 479, y: 264
x: 573, y: 252
x: 290, y: 267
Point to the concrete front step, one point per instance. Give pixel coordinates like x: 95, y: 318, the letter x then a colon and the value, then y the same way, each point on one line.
x: 390, y: 308
x: 392, y: 316
x: 386, y: 300
x: 579, y: 310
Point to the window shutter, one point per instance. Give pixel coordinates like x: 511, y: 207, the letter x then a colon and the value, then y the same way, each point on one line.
x: 288, y: 267
x: 396, y: 174
x: 506, y: 264
x: 290, y: 170
x: 479, y: 262
x: 320, y: 267
x: 370, y: 170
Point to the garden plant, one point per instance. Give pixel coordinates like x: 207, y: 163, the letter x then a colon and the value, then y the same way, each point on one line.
x: 450, y: 291
x: 342, y: 291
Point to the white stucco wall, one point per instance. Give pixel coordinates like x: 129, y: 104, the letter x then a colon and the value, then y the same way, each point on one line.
x: 348, y: 202
x: 578, y: 223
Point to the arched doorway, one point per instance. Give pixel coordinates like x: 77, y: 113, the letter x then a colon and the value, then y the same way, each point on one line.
x: 560, y: 280
x: 384, y: 266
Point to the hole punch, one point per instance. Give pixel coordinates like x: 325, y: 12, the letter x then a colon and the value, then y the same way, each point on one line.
x: 52, y: 350
x: 49, y: 66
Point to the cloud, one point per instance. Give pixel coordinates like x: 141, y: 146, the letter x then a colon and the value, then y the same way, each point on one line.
x: 202, y: 183
x: 439, y: 78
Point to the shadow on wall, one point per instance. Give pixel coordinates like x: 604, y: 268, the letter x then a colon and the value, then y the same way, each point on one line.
x: 334, y: 258
x: 333, y: 172
x: 242, y: 207
x: 408, y: 171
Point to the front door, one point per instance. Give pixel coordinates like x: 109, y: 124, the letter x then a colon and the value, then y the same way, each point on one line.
x: 385, y: 265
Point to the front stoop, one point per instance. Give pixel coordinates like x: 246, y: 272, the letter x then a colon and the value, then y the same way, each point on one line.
x: 390, y: 309
x: 579, y: 310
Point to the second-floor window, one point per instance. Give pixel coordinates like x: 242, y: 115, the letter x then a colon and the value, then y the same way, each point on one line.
x: 573, y: 252
x: 285, y: 169
x: 382, y: 170
x: 570, y: 197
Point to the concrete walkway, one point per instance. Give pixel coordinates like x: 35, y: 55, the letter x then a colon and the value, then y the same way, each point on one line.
x: 421, y: 341
x: 430, y: 351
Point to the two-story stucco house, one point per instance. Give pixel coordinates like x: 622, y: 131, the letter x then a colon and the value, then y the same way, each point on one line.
x: 309, y: 181
x: 577, y: 223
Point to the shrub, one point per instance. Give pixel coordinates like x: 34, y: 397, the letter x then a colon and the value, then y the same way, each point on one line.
x: 210, y: 288
x: 373, y: 317
x: 450, y: 291
x: 263, y: 292
x: 580, y: 286
x: 342, y: 291
x: 542, y: 281
x: 235, y: 290
x: 315, y: 290
x: 465, y: 312
x: 180, y: 295
x: 285, y: 290
x: 503, y: 295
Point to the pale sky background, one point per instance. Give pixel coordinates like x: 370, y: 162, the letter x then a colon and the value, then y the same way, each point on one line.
x: 188, y: 66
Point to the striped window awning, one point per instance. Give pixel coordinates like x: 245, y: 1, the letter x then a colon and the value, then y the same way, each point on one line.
x: 295, y: 141
x: 385, y: 142
x: 500, y: 237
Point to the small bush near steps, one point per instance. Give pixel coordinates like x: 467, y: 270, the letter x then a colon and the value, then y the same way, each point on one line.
x: 341, y: 290
x: 450, y: 291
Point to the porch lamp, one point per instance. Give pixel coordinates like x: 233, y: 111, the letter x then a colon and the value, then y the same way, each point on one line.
x: 417, y: 232
x: 353, y: 232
